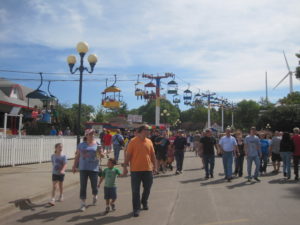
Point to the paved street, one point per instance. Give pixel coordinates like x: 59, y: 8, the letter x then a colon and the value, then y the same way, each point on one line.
x: 178, y: 200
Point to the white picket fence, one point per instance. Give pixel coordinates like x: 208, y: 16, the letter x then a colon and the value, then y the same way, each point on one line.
x: 16, y: 150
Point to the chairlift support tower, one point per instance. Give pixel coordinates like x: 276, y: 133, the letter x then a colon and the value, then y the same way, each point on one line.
x: 157, y: 99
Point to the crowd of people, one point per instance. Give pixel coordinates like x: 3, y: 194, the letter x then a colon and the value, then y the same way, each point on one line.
x: 151, y: 152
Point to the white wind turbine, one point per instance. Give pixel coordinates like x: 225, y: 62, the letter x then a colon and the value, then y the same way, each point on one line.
x: 290, y: 73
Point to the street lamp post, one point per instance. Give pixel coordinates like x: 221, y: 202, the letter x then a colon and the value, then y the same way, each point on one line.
x: 165, y: 115
x: 82, y: 49
x: 268, y: 126
x: 177, y: 123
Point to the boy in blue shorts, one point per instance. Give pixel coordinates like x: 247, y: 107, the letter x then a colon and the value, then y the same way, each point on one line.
x: 110, y: 174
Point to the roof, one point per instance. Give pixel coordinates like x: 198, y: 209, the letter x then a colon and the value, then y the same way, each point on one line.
x: 112, y: 89
x: 5, y: 90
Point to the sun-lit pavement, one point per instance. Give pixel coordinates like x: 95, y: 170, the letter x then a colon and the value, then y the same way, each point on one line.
x: 179, y: 199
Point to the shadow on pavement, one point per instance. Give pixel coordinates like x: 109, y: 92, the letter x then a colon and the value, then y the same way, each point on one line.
x: 26, y: 204
x: 94, y: 220
x: 242, y: 184
x: 46, y: 216
x: 193, y: 169
x: 164, y: 175
x: 295, y: 191
x: 270, y: 174
x: 192, y: 180
x: 218, y: 181
x: 282, y: 181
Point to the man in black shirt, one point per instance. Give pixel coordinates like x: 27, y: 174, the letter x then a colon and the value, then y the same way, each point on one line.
x: 207, y: 146
x: 162, y: 144
x: 179, y: 145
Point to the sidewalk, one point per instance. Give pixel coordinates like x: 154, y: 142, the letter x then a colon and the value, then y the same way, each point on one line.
x: 28, y: 183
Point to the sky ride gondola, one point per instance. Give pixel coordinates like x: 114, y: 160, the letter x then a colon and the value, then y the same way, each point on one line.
x: 41, y: 95
x: 150, y: 91
x: 111, y: 96
x: 197, y: 100
x: 187, y: 96
x: 172, y: 87
x: 176, y: 99
x: 139, y: 92
x: 48, y: 113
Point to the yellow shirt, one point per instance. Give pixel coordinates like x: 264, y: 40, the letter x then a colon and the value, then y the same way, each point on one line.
x: 140, y: 151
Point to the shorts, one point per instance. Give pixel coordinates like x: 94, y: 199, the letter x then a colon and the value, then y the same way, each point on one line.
x: 107, y: 147
x: 110, y: 193
x: 161, y: 155
x: 58, y: 177
x: 276, y: 157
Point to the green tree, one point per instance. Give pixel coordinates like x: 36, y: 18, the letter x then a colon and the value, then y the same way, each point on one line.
x: 99, y: 115
x: 283, y: 118
x: 246, y: 114
x: 67, y: 116
x: 291, y: 99
x: 148, y: 111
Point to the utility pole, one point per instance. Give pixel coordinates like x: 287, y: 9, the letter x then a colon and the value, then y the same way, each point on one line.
x: 267, y: 98
x: 209, y: 97
x: 232, y: 114
x: 223, y: 102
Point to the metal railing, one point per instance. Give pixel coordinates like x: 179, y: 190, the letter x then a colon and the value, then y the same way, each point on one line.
x: 15, y: 150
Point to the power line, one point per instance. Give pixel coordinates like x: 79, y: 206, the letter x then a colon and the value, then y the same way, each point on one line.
x: 55, y: 80
x: 61, y: 73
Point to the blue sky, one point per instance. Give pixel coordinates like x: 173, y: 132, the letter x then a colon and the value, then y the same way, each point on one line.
x: 221, y: 46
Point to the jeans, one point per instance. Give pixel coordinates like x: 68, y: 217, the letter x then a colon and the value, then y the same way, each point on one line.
x: 138, y: 177
x: 117, y: 149
x: 209, y: 164
x: 239, y: 164
x: 179, y: 156
x: 264, y: 163
x: 250, y: 160
x: 84, y: 175
x: 286, y: 160
x: 227, y: 163
x: 296, y: 163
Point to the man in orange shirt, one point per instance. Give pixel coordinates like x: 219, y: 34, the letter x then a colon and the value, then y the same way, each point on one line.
x: 140, y: 156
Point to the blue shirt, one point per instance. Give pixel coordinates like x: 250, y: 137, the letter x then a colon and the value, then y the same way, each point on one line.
x: 53, y: 132
x: 88, y: 159
x: 253, y: 145
x: 227, y: 143
x: 117, y: 139
x: 264, y: 146
x: 58, y: 161
x: 46, y: 117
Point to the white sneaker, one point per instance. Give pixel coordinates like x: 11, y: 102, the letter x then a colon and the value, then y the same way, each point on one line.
x: 82, y: 207
x: 95, y: 198
x: 61, y: 198
x: 52, y: 202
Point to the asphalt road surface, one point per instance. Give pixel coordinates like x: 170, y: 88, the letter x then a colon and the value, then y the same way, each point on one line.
x: 185, y: 199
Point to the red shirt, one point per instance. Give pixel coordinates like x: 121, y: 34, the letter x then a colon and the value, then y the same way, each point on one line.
x: 34, y: 114
x: 296, y: 140
x: 107, y: 139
